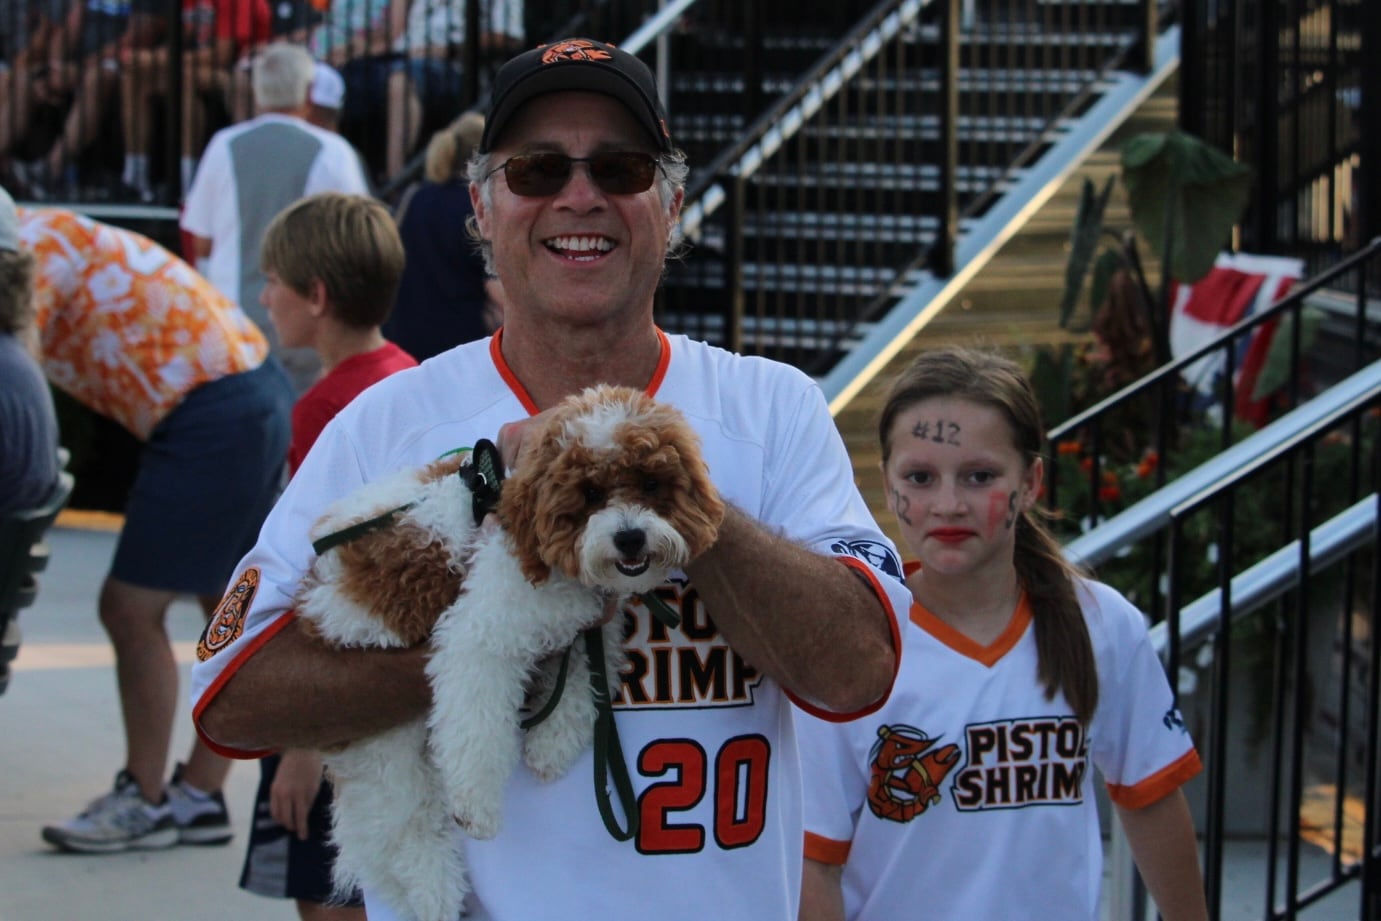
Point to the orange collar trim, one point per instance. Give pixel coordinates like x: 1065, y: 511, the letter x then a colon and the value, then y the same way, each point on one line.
x: 511, y: 379
x: 988, y: 655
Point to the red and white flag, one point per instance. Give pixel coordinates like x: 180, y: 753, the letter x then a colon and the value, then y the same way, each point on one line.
x: 1239, y: 285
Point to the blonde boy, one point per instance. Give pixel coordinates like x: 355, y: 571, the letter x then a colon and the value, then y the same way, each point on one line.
x: 331, y: 263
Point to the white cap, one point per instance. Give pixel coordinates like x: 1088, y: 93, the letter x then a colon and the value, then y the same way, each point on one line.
x: 328, y: 87
x: 9, y: 223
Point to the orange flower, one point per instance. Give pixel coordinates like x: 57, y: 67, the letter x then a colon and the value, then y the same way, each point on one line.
x: 1067, y: 447
x: 1086, y: 464
x: 1109, y: 493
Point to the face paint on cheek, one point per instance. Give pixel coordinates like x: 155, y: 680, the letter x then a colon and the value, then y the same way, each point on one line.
x: 903, y: 507
x: 1000, y: 511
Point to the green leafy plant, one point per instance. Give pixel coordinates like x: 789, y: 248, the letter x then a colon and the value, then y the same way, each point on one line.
x: 1185, y: 197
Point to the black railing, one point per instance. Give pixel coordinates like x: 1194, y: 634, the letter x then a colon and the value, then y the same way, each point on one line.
x: 1293, y: 686
x: 113, y: 81
x: 814, y: 221
x: 1287, y: 88
x: 1163, y: 415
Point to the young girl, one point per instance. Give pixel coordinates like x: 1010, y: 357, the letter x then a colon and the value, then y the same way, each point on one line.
x: 970, y: 793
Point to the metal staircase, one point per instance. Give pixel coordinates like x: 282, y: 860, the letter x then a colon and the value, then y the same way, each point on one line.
x: 835, y: 201
x: 1012, y: 304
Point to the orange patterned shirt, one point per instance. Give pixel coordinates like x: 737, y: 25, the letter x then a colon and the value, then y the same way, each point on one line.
x: 127, y: 328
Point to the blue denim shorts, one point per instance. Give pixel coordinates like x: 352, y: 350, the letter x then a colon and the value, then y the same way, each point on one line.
x: 206, y: 479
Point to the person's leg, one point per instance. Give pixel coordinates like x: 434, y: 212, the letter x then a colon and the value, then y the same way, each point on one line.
x: 195, y: 82
x: 140, y: 84
x: 404, y: 108
x: 12, y: 85
x: 146, y: 677
x: 241, y: 92
x: 95, y: 87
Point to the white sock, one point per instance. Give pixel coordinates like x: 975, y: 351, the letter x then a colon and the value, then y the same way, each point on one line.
x: 136, y: 174
x: 189, y: 169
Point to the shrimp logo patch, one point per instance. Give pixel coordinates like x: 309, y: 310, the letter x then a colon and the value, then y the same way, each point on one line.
x: 574, y: 49
x: 228, y: 620
x: 905, y: 772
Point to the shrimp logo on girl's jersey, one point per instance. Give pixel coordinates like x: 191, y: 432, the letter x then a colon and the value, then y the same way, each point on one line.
x: 228, y: 620
x: 906, y: 774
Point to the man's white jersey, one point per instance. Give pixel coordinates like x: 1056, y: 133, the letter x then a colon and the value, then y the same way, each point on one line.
x: 709, y: 742
x: 970, y: 794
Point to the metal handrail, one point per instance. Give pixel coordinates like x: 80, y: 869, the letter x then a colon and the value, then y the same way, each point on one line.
x: 789, y: 114
x: 1172, y: 369
x: 1270, y: 578
x: 1153, y: 512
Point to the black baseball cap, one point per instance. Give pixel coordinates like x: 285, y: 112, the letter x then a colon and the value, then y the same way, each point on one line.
x: 576, y: 64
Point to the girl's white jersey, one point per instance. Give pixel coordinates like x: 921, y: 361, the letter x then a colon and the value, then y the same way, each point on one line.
x: 709, y: 742
x: 970, y: 794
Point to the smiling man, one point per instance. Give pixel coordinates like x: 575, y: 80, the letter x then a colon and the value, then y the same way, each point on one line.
x: 577, y: 188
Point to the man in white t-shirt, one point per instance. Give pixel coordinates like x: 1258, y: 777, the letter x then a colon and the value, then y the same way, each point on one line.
x: 577, y: 188
x: 253, y: 170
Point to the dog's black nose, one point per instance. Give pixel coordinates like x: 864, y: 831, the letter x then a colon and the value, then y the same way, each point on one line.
x: 630, y: 541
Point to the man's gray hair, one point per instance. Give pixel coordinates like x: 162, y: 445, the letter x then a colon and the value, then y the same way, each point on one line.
x: 671, y: 177
x: 282, y: 77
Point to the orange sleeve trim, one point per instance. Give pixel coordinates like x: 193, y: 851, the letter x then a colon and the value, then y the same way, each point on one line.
x: 869, y: 576
x: 826, y: 850
x: 226, y: 674
x: 1159, y: 785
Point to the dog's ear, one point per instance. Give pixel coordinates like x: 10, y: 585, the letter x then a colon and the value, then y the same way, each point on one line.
x: 518, y: 509
x: 700, y: 510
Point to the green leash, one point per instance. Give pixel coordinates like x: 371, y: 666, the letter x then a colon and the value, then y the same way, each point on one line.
x: 608, y: 751
x: 556, y: 690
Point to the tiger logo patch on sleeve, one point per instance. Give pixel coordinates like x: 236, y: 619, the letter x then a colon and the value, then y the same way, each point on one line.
x: 228, y: 620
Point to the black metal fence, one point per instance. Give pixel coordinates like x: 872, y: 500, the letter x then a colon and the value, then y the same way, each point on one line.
x: 1259, y: 565
x: 1296, y: 680
x: 1170, y: 423
x: 909, y: 119
x: 1288, y: 87
x: 113, y: 100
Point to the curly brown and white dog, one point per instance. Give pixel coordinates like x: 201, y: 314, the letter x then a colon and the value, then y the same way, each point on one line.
x: 607, y: 499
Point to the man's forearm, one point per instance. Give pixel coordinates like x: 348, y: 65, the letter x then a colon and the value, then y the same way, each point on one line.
x: 296, y: 692
x: 804, y: 619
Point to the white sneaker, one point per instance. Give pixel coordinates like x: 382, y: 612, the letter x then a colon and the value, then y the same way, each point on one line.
x: 120, y: 820
x: 33, y: 177
x: 201, y: 818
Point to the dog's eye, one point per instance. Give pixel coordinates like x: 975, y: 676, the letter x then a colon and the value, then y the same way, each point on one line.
x: 593, y: 494
x: 651, y: 485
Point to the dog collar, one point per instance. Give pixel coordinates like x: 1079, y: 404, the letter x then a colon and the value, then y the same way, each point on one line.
x: 483, y: 475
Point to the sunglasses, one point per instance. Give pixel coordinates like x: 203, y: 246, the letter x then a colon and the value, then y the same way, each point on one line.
x: 538, y: 175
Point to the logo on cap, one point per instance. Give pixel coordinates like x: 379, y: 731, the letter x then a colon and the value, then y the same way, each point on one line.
x: 575, y: 49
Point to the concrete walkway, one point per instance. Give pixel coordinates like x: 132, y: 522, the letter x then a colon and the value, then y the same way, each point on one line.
x: 60, y: 746
x: 61, y: 743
